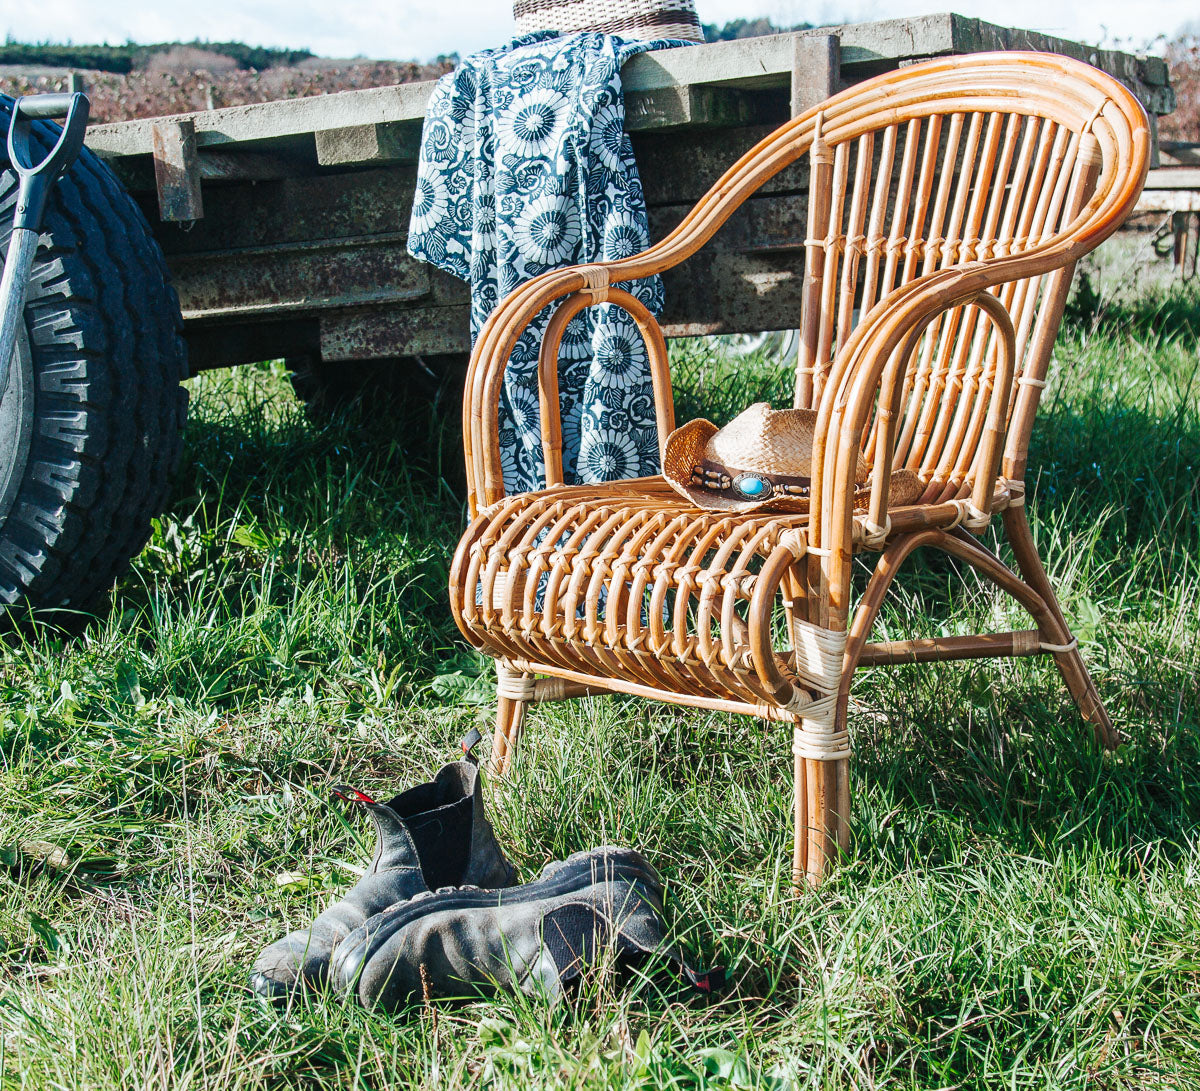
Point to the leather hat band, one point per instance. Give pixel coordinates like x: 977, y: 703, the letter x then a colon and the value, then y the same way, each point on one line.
x: 747, y: 484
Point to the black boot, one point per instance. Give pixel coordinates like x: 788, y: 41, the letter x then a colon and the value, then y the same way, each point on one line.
x: 435, y: 834
x: 533, y: 938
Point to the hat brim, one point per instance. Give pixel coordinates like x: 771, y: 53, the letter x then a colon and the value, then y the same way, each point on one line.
x: 685, y: 448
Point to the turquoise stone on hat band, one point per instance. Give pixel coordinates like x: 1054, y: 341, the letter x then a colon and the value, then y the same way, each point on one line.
x: 752, y: 486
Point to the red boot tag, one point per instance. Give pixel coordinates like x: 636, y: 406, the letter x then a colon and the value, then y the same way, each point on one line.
x: 350, y: 795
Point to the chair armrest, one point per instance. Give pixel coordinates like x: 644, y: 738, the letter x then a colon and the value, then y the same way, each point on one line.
x: 868, y: 376
x: 549, y: 404
x: 574, y: 289
x: 500, y: 333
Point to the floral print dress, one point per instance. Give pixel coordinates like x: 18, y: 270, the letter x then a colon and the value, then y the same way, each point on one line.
x: 525, y: 166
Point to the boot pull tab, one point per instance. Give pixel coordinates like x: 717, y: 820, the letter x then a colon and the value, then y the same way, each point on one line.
x: 469, y: 741
x: 350, y: 795
x: 706, y: 983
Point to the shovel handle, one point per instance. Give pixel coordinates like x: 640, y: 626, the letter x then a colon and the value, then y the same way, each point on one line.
x: 45, y: 107
x: 37, y: 177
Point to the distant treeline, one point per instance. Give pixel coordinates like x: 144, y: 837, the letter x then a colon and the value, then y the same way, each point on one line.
x: 747, y: 28
x: 123, y: 59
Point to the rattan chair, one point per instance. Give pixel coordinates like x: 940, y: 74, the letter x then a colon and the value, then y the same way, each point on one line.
x: 948, y: 204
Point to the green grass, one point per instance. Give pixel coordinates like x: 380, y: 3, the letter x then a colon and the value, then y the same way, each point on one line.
x: 1018, y: 910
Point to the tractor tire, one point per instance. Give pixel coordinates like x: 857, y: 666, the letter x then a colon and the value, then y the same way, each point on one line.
x: 91, y: 421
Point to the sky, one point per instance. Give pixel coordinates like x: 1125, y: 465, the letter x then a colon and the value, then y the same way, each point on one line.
x: 406, y: 29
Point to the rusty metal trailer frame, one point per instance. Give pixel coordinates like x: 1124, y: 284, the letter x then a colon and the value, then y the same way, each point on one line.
x: 285, y: 223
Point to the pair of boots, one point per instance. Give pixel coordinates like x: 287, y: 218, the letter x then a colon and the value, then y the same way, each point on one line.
x: 437, y: 913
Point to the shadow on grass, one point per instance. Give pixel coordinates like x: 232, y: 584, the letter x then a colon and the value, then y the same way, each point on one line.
x: 1026, y: 773
x: 1122, y: 464
x: 947, y: 760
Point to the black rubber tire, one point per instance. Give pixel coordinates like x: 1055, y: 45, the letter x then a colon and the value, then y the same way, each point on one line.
x: 105, y: 359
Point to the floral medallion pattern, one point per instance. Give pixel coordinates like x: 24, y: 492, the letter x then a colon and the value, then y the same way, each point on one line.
x: 526, y: 166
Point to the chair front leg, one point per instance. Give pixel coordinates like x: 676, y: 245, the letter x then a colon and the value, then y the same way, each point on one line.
x: 514, y: 691
x: 822, y: 791
x: 820, y: 748
x: 821, y: 776
x: 822, y: 800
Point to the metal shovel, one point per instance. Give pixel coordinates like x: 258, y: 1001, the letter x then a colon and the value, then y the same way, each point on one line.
x: 36, y: 181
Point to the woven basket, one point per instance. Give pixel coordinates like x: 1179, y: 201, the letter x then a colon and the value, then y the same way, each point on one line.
x: 642, y: 19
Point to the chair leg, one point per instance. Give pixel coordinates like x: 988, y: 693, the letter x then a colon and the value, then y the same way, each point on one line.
x: 822, y: 829
x: 514, y: 691
x: 1070, y: 663
x: 510, y: 718
x: 828, y: 809
x: 842, y: 774
x: 799, y: 822
x: 821, y: 811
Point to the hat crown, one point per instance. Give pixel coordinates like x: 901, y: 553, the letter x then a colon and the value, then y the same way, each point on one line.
x: 649, y: 20
x: 762, y: 459
x: 770, y: 441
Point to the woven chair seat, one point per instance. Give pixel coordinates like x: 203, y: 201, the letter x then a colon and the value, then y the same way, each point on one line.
x: 659, y: 591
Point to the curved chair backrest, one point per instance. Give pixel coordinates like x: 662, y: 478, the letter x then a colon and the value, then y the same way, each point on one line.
x: 1024, y: 161
x: 1032, y: 158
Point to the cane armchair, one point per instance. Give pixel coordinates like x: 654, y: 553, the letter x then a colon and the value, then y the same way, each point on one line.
x: 948, y: 204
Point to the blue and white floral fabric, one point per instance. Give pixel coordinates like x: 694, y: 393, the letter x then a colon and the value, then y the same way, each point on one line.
x: 526, y: 166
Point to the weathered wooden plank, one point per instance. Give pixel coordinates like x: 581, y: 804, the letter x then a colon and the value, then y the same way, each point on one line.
x: 311, y: 276
x: 816, y: 70
x: 727, y: 293
x: 677, y: 168
x: 694, y: 107
x: 177, y: 171
x: 377, y: 142
x: 763, y: 223
x: 1177, y: 153
x: 270, y: 121
x: 137, y: 172
x: 751, y: 62
x: 242, y: 166
x: 313, y: 255
x: 767, y: 62
x: 749, y: 278
x: 1174, y: 178
x: 379, y: 332
x: 745, y: 64
x: 1169, y: 200
x: 293, y: 210
x: 1146, y: 76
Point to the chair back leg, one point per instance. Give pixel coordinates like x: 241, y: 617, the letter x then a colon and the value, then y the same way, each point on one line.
x: 1069, y: 661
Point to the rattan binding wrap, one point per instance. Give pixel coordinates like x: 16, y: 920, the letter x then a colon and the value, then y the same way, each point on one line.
x: 948, y: 203
x: 636, y: 19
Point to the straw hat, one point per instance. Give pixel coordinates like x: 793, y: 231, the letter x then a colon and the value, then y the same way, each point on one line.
x: 638, y: 19
x: 760, y: 459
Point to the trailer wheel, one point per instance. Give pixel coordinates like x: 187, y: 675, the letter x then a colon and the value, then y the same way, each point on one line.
x: 90, y: 423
